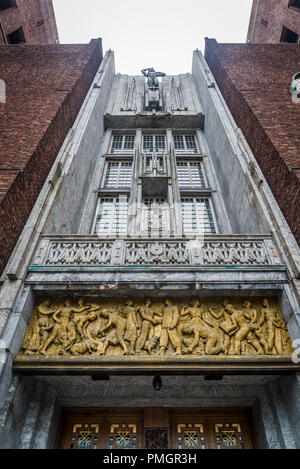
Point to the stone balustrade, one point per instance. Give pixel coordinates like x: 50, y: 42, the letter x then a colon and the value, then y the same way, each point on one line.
x: 212, y: 250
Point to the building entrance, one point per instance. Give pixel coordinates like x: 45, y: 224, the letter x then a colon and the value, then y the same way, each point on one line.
x: 153, y: 428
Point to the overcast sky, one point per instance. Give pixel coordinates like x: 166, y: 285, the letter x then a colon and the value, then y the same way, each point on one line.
x: 160, y: 34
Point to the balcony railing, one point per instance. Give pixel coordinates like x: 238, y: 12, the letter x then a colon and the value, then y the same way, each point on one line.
x: 214, y: 250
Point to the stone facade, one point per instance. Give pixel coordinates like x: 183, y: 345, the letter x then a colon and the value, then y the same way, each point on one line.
x: 203, y: 235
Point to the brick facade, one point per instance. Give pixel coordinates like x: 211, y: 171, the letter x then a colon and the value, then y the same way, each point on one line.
x: 46, y: 86
x: 255, y: 80
x: 35, y: 17
x: 268, y: 17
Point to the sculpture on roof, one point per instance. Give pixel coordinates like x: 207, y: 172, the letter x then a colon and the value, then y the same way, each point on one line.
x: 153, y: 90
x: 152, y: 77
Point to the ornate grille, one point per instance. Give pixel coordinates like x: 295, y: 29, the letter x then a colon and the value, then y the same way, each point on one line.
x: 191, y: 436
x: 122, y: 436
x: 229, y: 436
x: 84, y: 436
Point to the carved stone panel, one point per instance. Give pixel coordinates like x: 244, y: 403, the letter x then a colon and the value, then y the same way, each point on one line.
x: 239, y: 328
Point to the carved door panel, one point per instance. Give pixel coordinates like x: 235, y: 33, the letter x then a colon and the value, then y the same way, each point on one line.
x: 145, y: 428
x: 211, y: 429
x: 100, y: 429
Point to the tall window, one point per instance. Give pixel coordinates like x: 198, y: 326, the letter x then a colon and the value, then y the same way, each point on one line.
x: 118, y: 174
x: 4, y: 4
x: 197, y: 216
x: 154, y: 141
x: 289, y: 36
x: 185, y: 144
x: 294, y: 3
x: 112, y: 216
x: 190, y: 174
x: 122, y: 144
x: 16, y: 37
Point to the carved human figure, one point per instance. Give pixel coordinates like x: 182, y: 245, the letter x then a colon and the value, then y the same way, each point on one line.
x: 83, y: 320
x: 34, y: 338
x: 116, y: 335
x: 275, y: 328
x: 148, y: 322
x: 131, y: 333
x: 240, y: 328
x: 254, y: 336
x: 168, y: 329
x: 152, y: 77
x: 64, y: 331
x: 201, y: 330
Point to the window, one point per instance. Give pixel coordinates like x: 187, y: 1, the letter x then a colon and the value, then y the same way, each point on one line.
x: 289, y: 36
x: 185, y: 144
x: 122, y: 144
x: 294, y: 3
x: 4, y: 4
x: 197, y: 216
x: 190, y: 174
x: 111, y: 218
x: 156, y: 217
x: 118, y: 174
x: 17, y: 37
x: 154, y: 141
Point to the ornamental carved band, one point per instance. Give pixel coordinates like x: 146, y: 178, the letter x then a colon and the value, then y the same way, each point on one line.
x: 89, y: 253
x: 237, y: 327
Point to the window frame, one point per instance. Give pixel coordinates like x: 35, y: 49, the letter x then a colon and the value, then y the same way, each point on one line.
x: 122, y: 150
x: 286, y: 30
x: 154, y: 137
x: 191, y: 187
x: 186, y: 151
x: 121, y: 198
x: 198, y: 216
x: 119, y: 161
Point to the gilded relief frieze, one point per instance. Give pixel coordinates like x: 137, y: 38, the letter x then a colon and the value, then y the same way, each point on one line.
x: 157, y: 327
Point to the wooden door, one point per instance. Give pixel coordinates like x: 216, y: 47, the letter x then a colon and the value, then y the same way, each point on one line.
x: 156, y: 429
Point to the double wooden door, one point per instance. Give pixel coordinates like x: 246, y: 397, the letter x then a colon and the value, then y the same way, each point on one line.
x: 153, y: 428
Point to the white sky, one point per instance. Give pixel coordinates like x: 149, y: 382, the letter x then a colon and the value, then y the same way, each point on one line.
x: 161, y: 34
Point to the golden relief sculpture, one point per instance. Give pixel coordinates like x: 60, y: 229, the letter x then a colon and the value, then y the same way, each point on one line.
x: 157, y: 327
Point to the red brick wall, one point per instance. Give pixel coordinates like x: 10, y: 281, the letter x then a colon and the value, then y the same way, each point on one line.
x: 255, y: 80
x: 27, y: 14
x: 278, y: 14
x: 46, y: 86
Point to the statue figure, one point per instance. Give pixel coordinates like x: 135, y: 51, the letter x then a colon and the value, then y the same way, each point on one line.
x: 154, y: 327
x: 152, y: 76
x: 276, y: 328
x: 241, y: 327
x: 253, y: 337
x: 131, y: 325
x: 169, y: 323
x: 116, y: 335
x: 146, y: 313
x: 64, y: 331
x: 201, y: 330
